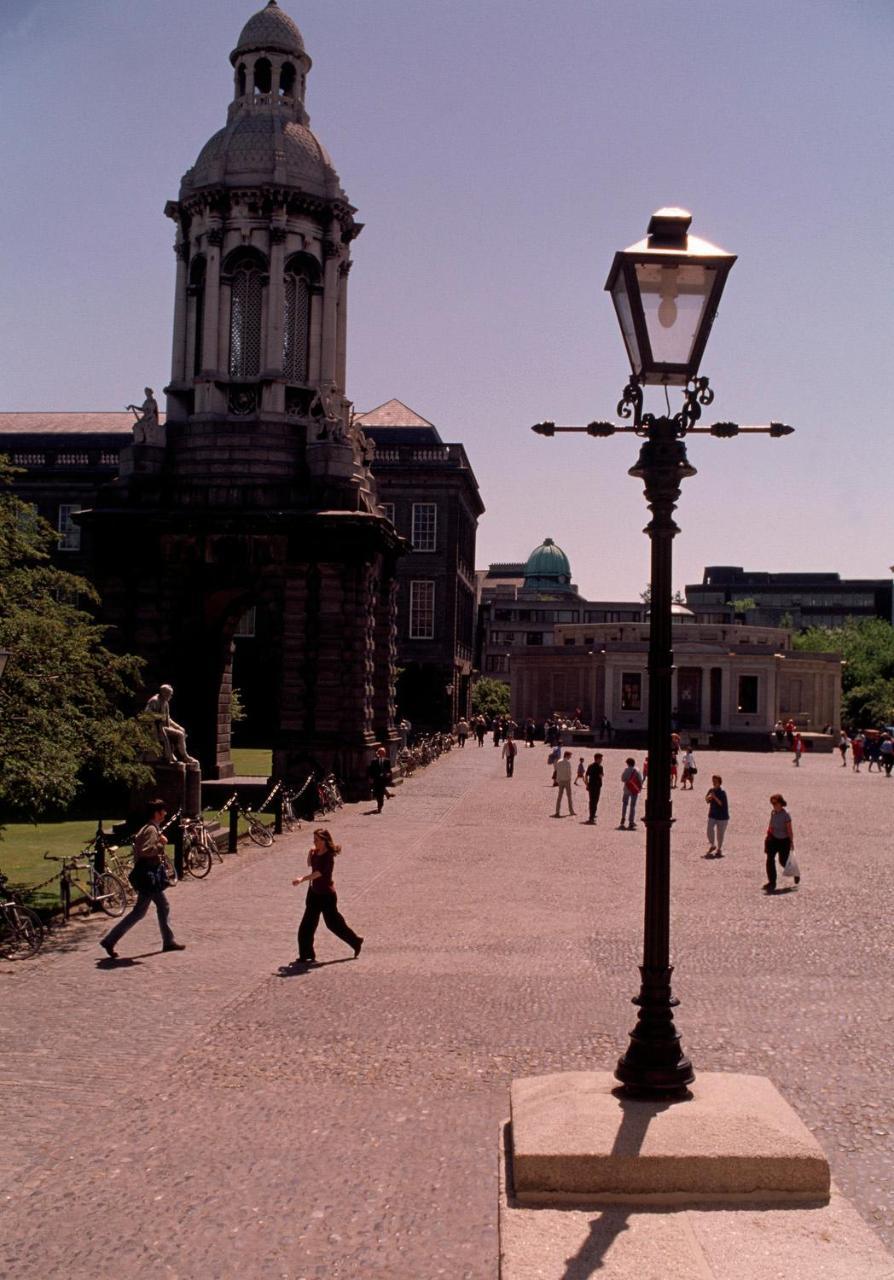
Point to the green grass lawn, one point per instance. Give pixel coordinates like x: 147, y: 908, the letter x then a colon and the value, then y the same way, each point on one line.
x: 252, y: 762
x: 23, y: 844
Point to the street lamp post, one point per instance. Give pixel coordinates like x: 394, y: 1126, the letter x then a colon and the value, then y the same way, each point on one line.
x: 666, y: 290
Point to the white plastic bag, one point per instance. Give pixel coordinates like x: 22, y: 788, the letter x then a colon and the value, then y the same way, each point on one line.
x: 791, y: 868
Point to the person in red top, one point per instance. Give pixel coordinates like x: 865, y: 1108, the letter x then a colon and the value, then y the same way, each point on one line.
x: 322, y: 899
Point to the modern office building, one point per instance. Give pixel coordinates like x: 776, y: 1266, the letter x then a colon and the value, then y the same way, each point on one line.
x: 797, y: 600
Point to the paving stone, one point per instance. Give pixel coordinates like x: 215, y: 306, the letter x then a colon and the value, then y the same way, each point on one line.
x: 200, y: 1114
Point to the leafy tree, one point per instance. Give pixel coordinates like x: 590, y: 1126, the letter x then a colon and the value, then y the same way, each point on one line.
x: 646, y: 596
x: 64, y: 714
x: 490, y: 698
x: 741, y: 604
x: 867, y: 682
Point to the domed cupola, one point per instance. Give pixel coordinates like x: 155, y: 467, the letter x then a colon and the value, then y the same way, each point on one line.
x: 264, y: 233
x: 547, y: 568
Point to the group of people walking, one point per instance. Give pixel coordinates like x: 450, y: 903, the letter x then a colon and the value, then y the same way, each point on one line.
x: 779, y: 840
x: 149, y: 879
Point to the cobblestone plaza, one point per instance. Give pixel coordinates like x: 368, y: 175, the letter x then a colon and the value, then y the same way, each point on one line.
x: 206, y: 1115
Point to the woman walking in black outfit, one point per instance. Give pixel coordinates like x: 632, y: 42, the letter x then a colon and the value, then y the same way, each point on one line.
x: 779, y: 842
x: 322, y: 899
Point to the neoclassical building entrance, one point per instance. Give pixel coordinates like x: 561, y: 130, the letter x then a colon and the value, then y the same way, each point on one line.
x: 257, y: 495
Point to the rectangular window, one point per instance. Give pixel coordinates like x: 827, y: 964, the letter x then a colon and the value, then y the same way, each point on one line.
x: 425, y: 526
x: 747, y: 700
x: 632, y: 691
x: 497, y: 662
x: 69, y: 532
x: 534, y: 637
x: 422, y: 610
x: 388, y: 510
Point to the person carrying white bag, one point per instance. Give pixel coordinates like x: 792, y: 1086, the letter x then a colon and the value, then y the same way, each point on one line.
x: 780, y: 843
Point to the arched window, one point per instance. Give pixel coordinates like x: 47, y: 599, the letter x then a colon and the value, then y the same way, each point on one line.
x: 287, y: 80
x: 246, y: 299
x: 301, y: 272
x: 197, y: 293
x: 263, y: 76
x: 240, y: 79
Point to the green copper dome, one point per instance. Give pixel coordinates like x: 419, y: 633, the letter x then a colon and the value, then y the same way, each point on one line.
x: 547, y: 566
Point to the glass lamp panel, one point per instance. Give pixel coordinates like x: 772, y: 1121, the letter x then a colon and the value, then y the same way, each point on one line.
x: 625, y: 318
x: 674, y: 299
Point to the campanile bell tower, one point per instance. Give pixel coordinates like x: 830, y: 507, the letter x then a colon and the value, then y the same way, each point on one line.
x: 258, y: 495
x: 263, y: 245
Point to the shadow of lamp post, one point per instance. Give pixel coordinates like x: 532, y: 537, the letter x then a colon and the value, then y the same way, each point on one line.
x: 666, y: 290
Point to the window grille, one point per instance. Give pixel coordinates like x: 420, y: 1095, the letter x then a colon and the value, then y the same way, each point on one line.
x: 69, y: 532
x: 422, y: 610
x: 425, y: 526
x: 296, y: 328
x: 245, y: 321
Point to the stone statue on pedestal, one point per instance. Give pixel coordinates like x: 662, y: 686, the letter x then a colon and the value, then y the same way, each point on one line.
x: 147, y: 429
x: 325, y: 407
x: 171, y: 736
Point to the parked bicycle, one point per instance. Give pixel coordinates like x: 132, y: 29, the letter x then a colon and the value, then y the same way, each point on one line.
x: 118, y: 859
x: 328, y: 795
x: 199, y: 847
x: 21, y: 929
x: 102, y: 889
x: 258, y: 833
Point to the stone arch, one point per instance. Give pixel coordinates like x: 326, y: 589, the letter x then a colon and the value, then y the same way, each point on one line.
x: 287, y: 78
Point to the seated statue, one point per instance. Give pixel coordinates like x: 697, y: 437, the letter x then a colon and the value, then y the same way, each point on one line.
x: 147, y: 429
x: 171, y: 736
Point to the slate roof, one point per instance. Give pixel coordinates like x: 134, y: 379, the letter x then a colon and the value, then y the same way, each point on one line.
x: 393, y: 413
x: 75, y: 423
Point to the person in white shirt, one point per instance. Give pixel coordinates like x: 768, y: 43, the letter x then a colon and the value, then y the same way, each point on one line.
x: 563, y: 781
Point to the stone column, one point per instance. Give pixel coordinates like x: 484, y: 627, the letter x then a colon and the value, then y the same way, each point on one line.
x: 211, y: 352
x: 341, y: 354
x: 332, y: 250
x: 276, y: 300
x: 181, y: 303
x: 314, y: 363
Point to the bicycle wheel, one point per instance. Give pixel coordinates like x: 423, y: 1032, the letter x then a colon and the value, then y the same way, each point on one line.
x: 258, y: 833
x: 196, y: 858
x: 23, y: 934
x: 111, y: 895
x: 289, y: 821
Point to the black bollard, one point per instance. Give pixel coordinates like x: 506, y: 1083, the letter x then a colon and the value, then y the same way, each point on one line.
x: 178, y: 850
x: 277, y: 813
x: 233, y: 835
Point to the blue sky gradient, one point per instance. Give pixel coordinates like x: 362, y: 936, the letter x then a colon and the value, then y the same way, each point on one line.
x: 499, y: 152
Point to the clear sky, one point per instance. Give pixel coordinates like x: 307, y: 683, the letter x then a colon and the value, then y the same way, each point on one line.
x: 499, y: 151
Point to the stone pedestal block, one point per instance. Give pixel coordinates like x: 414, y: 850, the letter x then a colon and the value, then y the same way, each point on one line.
x: 576, y: 1140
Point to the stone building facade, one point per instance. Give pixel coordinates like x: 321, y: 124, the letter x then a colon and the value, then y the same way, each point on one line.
x: 429, y: 492
x: 730, y: 685
x: 521, y: 605
x: 256, y: 495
